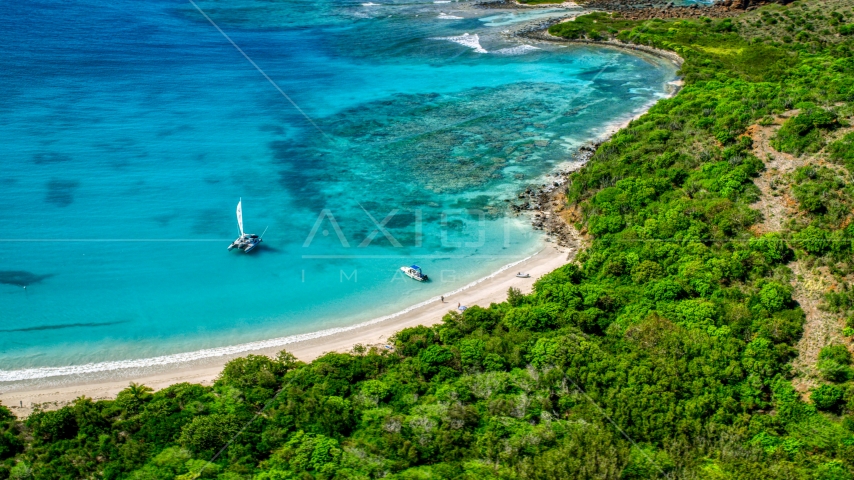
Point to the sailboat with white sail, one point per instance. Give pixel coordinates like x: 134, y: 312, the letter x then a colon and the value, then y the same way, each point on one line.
x: 246, y: 241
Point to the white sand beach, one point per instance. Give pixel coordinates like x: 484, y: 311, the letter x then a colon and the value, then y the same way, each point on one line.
x: 22, y: 398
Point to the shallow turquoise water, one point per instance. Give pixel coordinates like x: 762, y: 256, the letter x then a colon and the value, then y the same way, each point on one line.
x: 130, y: 130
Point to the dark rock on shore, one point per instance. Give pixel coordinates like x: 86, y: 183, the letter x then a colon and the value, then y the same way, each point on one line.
x: 544, y: 203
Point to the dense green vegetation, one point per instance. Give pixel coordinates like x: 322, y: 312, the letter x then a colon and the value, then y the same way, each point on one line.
x: 663, y: 352
x: 594, y: 26
x: 802, y: 133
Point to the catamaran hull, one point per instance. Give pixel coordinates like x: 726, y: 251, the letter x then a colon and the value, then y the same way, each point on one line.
x: 245, y: 246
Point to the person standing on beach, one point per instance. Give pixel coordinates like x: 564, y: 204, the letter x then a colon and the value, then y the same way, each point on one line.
x: 443, y: 298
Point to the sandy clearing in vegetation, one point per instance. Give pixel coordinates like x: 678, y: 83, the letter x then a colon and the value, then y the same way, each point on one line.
x: 778, y: 205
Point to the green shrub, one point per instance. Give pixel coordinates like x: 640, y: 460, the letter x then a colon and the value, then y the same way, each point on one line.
x: 833, y: 371
x: 303, y: 456
x: 10, y: 445
x: 472, y: 351
x: 813, y: 239
x: 842, y: 151
x: 52, y: 426
x: 775, y: 296
x: 802, y: 133
x: 208, y: 433
x: 833, y: 470
x: 834, y: 361
x: 836, y: 353
x: 772, y: 246
x: 826, y: 397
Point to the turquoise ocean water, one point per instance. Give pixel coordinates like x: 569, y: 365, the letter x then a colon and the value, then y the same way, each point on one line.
x: 131, y: 129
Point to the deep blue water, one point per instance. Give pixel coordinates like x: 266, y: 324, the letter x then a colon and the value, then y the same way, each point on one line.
x: 131, y: 129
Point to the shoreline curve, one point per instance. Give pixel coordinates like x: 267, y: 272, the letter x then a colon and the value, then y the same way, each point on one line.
x: 203, y: 366
x: 183, y: 357
x: 23, y: 395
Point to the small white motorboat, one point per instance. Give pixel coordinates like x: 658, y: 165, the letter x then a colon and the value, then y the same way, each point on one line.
x: 246, y: 241
x: 414, y: 272
x: 523, y: 275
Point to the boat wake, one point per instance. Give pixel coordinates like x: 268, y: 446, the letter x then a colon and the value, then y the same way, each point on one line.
x: 46, y: 372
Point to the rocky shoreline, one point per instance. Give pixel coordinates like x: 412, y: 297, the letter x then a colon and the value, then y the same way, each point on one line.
x: 540, y: 30
x: 542, y: 34
x: 546, y: 203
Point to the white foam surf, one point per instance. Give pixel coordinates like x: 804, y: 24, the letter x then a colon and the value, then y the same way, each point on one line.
x: 517, y: 50
x: 371, y: 4
x: 46, y: 372
x: 466, y: 40
x: 445, y: 16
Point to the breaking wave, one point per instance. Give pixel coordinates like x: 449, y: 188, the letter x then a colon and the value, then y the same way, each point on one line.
x: 517, y: 50
x: 466, y: 40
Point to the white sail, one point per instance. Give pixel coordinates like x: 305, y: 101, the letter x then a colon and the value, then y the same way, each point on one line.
x: 240, y: 216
